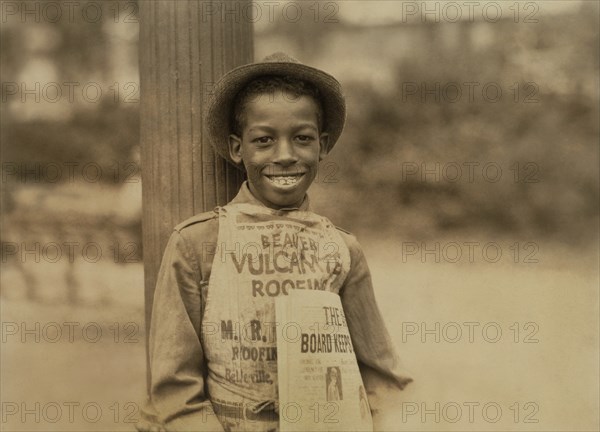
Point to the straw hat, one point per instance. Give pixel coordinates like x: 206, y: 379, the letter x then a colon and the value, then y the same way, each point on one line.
x: 220, y: 106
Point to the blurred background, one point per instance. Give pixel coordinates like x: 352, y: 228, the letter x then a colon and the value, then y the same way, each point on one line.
x: 467, y: 125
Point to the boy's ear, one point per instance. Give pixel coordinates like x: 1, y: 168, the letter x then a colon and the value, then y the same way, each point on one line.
x: 324, y: 145
x: 235, y: 148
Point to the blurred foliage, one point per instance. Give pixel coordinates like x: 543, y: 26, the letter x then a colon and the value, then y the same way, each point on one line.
x: 547, y: 150
x: 79, y: 48
x: 46, y: 140
x: 552, y: 190
x: 103, y: 135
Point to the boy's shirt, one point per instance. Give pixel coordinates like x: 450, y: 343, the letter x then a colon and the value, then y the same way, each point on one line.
x: 178, y: 390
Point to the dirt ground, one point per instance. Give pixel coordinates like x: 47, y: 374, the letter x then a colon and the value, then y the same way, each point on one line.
x: 491, y: 345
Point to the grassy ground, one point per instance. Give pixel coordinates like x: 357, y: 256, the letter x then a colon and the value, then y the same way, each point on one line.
x: 543, y: 377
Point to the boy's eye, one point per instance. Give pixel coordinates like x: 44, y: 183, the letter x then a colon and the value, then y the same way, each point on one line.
x: 262, y: 140
x: 304, y: 138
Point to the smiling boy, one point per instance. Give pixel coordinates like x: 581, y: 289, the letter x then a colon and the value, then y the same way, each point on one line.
x: 278, y: 140
x: 213, y: 359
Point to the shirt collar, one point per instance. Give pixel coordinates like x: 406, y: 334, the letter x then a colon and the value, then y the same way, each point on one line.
x: 245, y: 196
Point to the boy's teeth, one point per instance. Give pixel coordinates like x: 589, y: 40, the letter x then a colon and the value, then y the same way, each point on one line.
x: 284, y: 180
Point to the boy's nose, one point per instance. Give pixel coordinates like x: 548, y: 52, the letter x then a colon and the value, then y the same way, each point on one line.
x: 285, y: 154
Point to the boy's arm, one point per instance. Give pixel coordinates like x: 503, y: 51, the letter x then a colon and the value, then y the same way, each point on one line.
x: 372, y: 343
x: 178, y: 398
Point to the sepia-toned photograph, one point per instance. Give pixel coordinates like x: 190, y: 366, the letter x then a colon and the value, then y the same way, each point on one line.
x: 299, y: 215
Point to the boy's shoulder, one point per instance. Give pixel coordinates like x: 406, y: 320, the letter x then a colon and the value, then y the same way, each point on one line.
x: 346, y: 235
x: 349, y: 238
x: 343, y: 230
x: 202, y: 219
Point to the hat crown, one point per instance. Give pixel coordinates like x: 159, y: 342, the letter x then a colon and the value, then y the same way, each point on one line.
x: 279, y: 57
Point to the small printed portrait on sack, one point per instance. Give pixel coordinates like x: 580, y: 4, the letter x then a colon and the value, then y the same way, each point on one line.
x: 333, y: 381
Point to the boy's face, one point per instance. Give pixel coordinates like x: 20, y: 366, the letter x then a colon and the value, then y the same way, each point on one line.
x: 280, y: 146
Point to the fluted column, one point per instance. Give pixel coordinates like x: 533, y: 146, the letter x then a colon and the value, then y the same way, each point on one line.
x: 185, y: 46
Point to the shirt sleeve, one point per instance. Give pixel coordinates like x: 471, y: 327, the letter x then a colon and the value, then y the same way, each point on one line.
x: 177, y: 395
x: 372, y: 343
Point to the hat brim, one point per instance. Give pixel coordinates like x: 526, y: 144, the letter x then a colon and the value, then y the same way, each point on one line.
x: 220, y: 105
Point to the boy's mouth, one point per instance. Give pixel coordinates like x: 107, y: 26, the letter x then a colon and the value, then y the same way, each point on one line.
x: 285, y: 180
